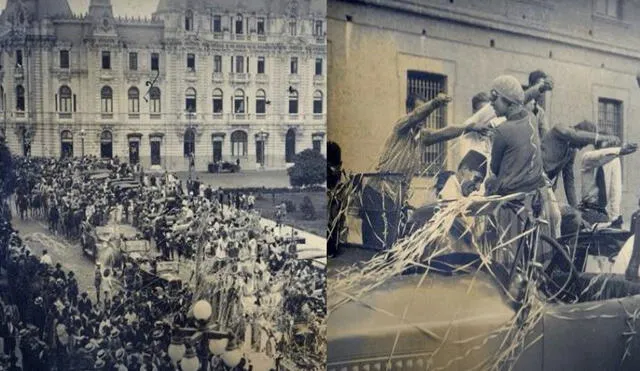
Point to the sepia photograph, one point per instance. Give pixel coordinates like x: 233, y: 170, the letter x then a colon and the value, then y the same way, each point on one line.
x: 482, y: 160
x: 163, y: 200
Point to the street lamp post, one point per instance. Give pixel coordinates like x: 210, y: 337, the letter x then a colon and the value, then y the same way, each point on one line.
x: 82, y: 133
x: 185, y: 342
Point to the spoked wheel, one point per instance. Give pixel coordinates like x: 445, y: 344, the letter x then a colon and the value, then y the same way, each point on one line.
x: 558, y: 273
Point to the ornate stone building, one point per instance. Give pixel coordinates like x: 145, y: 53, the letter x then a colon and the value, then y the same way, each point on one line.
x: 223, y: 79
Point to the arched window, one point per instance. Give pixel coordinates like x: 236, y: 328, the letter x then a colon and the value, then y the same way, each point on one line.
x: 106, y: 144
x: 293, y: 101
x: 106, y: 95
x: 190, y: 100
x: 154, y: 100
x: 261, y: 102
x: 239, y: 24
x: 20, y: 98
x: 189, y: 142
x: 317, y: 102
x: 188, y: 20
x: 238, y: 101
x: 64, y: 97
x: 239, y: 144
x: 66, y: 144
x: 290, y: 145
x: 217, y: 101
x: 134, y: 100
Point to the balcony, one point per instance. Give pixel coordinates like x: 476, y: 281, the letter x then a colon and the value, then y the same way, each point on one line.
x: 190, y: 115
x: 240, y: 116
x: 261, y: 78
x: 262, y: 37
x: 155, y: 116
x: 321, y: 39
x: 20, y: 114
x: 240, y: 37
x: 217, y: 115
x: 217, y: 77
x: 106, y: 116
x: 294, y: 78
x: 106, y: 75
x: 218, y: 36
x: 134, y: 116
x: 191, y: 75
x: 240, y: 78
x: 294, y: 116
x: 261, y: 116
x: 318, y: 116
x: 65, y: 115
x: 64, y: 74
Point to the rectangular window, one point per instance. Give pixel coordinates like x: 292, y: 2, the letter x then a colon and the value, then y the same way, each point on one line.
x: 318, y: 28
x: 261, y: 106
x: 426, y: 86
x: 155, y: 62
x: 133, y: 61
x: 261, y: 28
x: 292, y: 28
x: 106, y: 60
x: 317, y: 145
x: 239, y: 26
x: 74, y: 103
x: 19, y: 58
x: 318, y: 66
x: 293, y: 106
x: 217, y: 23
x: 610, y: 116
x: 317, y: 105
x: 609, y: 8
x: 217, y: 63
x: 217, y: 104
x: 191, y: 62
x: 260, y: 65
x: 294, y: 65
x: 64, y: 59
x: 239, y: 64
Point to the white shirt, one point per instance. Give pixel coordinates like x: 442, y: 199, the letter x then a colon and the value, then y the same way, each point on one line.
x: 591, y: 161
x: 613, y: 180
x: 46, y: 259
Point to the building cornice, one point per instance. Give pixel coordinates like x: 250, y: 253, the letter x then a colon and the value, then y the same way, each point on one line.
x: 498, y: 23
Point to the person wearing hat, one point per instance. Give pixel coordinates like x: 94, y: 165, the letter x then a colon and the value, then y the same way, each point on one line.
x: 97, y: 282
x: 516, y: 158
x: 559, y: 148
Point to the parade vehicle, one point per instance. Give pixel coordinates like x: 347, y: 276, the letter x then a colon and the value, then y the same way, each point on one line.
x: 95, y: 240
x: 466, y: 310
x: 166, y: 274
x: 224, y: 167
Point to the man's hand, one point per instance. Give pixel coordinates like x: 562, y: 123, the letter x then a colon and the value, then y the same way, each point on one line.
x: 607, y: 141
x: 547, y: 84
x: 482, y: 129
x: 442, y: 100
x: 628, y: 148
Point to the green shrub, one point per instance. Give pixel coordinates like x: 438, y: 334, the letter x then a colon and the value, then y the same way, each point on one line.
x: 310, y: 167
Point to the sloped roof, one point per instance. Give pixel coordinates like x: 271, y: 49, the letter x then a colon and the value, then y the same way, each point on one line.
x: 53, y: 9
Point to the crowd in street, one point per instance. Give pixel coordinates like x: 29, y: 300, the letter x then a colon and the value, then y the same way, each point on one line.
x: 267, y: 299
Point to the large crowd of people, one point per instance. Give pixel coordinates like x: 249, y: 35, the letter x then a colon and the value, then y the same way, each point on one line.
x: 270, y: 301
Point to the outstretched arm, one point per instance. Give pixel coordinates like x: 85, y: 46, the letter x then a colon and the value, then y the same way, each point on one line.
x: 580, y: 138
x: 416, y: 117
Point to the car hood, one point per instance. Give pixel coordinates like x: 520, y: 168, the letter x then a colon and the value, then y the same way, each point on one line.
x: 454, y: 308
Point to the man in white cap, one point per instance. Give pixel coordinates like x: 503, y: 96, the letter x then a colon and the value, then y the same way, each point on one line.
x: 516, y: 159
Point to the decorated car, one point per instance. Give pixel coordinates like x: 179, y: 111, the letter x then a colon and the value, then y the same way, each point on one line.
x: 442, y: 299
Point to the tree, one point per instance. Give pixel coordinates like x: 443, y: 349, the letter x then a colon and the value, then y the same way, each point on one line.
x: 7, y: 174
x: 310, y: 167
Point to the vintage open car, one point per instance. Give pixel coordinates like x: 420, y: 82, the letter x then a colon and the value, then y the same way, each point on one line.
x: 463, y: 310
x: 95, y: 240
x: 166, y: 275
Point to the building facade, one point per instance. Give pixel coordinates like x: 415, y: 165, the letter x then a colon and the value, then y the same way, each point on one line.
x: 383, y: 52
x: 224, y: 80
